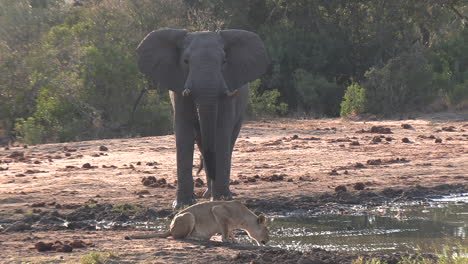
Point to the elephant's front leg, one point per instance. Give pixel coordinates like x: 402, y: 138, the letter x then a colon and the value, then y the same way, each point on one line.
x: 184, y: 117
x: 220, y: 184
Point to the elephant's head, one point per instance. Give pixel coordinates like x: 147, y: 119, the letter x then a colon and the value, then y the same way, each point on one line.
x: 204, y: 66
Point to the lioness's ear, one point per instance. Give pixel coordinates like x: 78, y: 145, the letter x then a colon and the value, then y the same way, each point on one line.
x: 261, y: 219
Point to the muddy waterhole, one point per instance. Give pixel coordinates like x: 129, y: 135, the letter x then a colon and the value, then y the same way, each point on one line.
x: 407, y: 227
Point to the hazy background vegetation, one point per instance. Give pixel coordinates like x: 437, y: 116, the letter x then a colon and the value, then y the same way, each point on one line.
x: 68, y: 68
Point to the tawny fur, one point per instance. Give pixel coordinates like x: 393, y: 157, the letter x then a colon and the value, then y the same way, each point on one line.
x: 203, y: 220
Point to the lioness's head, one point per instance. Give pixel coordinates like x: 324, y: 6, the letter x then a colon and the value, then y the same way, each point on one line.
x: 259, y: 231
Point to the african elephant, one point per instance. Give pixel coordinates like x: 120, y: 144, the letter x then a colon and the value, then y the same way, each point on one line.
x: 207, y: 74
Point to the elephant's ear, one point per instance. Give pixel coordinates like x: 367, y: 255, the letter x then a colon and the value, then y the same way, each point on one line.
x: 246, y: 57
x: 159, y: 55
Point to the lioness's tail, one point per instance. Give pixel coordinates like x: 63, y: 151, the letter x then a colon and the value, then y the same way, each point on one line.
x: 163, y: 235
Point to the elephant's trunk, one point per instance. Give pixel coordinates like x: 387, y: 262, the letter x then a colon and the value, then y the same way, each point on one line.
x: 208, y: 115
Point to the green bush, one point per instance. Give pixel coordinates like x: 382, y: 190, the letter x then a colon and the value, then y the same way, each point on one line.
x: 404, y: 83
x: 316, y: 95
x: 449, y: 64
x: 354, y: 100
x: 266, y: 103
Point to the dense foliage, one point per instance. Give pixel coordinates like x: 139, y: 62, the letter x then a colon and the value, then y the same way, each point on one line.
x: 68, y: 68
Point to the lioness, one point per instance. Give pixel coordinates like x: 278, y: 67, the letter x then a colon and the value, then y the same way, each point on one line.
x: 203, y: 220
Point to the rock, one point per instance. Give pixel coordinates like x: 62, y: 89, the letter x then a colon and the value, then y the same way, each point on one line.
x: 405, y: 140
x: 86, y: 166
x: 359, y: 165
x: 406, y: 126
x: 41, y: 246
x: 40, y: 204
x: 340, y: 188
x: 78, y: 244
x: 64, y: 248
x: 374, y: 162
x: 103, y: 148
x: 359, y: 186
x: 438, y: 140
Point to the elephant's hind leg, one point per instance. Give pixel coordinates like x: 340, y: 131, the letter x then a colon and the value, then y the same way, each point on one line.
x: 182, y: 225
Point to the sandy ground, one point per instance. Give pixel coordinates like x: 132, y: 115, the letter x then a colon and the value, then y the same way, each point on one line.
x: 308, y: 157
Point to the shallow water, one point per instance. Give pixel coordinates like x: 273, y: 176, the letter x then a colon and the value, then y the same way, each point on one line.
x: 424, y: 227
x: 406, y: 227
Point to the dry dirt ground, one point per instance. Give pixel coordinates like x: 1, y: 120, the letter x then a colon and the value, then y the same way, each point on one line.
x: 278, y: 165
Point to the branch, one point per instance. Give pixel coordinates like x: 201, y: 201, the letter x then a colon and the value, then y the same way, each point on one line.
x: 460, y: 15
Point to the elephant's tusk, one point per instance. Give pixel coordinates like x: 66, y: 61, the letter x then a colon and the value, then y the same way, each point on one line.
x: 186, y: 92
x: 231, y: 93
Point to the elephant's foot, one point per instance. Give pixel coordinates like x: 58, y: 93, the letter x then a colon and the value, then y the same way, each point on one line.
x: 223, y: 197
x: 207, y: 194
x: 179, y: 204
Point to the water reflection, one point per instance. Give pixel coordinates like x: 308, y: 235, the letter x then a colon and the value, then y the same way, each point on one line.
x: 409, y: 228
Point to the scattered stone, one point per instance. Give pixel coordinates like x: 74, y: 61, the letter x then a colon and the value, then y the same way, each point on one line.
x: 388, y: 139
x: 37, y: 162
x: 20, y: 175
x: 67, y: 149
x: 340, y: 188
x: 34, y: 171
x: 138, y: 163
x: 354, y: 143
x: 63, y: 248
x: 290, y: 180
x: 438, y: 140
x: 152, y: 181
x: 78, y: 244
x: 406, y: 126
x: 3, y: 169
x: 376, y: 139
x: 376, y: 129
x: 374, y: 162
x: 359, y: 165
x: 294, y: 137
x: 405, y: 140
x: 87, y: 166
x: 333, y: 172
x: 41, y: 246
x: 103, y: 148
x: 39, y: 204
x: 273, y: 177
x: 449, y: 129
x: 250, y: 179
x: 359, y: 186
x: 234, y: 182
